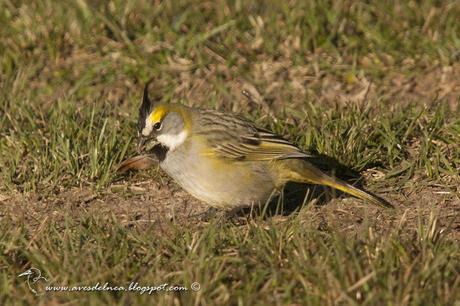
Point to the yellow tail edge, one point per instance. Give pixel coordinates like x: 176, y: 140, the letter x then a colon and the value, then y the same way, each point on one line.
x: 354, y: 191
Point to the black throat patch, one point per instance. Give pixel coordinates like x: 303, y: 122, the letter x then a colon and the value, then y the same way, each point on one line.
x: 160, y: 152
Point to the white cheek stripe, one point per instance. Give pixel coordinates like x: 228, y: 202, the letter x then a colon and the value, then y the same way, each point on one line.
x: 172, y: 141
x: 148, y: 127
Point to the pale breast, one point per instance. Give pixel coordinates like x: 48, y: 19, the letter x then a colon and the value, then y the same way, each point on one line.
x: 219, y: 183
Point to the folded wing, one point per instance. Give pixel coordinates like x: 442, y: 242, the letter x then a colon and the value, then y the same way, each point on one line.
x: 236, y: 138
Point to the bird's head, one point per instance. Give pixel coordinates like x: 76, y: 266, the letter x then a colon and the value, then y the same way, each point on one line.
x: 160, y: 124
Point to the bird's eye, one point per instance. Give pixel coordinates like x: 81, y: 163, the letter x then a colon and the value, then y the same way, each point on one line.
x: 157, y: 126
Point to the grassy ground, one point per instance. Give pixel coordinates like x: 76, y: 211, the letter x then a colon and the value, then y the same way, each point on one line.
x: 372, y: 85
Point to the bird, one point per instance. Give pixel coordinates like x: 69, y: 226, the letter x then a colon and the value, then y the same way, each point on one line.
x: 34, y: 276
x: 223, y: 159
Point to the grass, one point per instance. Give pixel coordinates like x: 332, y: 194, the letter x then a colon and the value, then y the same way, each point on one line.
x: 372, y: 85
x: 263, y: 262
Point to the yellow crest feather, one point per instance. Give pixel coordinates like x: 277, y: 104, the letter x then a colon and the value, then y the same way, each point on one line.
x: 158, y: 114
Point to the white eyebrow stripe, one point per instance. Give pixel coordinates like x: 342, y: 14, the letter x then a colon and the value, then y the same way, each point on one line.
x: 148, y: 127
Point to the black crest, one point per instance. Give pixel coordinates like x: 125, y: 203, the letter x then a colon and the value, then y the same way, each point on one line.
x: 146, y: 107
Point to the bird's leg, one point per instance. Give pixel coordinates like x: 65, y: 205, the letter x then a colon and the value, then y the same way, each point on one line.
x: 207, y: 214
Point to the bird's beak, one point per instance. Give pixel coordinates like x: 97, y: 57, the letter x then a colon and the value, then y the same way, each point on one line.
x: 145, y: 144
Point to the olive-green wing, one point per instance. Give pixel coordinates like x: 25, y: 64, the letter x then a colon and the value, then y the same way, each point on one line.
x: 232, y: 137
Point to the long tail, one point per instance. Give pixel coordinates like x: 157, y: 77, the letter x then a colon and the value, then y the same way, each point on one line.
x: 354, y: 191
x: 307, y: 173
